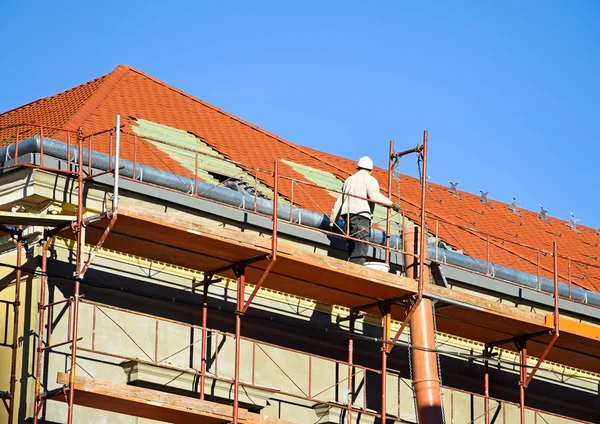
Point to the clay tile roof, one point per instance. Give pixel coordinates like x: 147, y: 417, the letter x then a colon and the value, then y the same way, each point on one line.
x: 464, y: 223
x: 55, y: 110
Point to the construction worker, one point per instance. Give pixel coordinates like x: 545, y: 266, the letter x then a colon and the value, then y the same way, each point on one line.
x: 357, y: 212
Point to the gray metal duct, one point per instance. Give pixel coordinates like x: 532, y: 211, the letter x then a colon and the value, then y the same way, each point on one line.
x: 508, y: 274
x: 264, y: 206
x: 162, y: 178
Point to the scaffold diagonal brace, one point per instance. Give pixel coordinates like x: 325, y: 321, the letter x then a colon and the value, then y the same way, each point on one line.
x: 99, y: 244
x: 406, y: 321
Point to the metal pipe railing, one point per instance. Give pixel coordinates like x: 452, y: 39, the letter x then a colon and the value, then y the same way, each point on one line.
x: 483, y: 235
x: 115, y: 205
x: 315, y: 396
x: 312, y: 395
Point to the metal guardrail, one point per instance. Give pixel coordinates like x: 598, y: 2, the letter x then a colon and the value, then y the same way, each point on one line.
x: 489, y: 248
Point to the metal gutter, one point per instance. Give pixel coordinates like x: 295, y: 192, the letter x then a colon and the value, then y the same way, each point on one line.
x: 522, y: 278
x: 163, y: 178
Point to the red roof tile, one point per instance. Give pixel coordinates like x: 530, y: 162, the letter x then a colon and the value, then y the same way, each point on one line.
x: 466, y: 223
x: 54, y: 111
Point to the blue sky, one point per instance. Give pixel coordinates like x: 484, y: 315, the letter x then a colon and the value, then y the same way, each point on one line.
x: 509, y: 90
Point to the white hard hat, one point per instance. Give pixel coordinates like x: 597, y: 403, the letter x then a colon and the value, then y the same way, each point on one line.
x: 365, y: 163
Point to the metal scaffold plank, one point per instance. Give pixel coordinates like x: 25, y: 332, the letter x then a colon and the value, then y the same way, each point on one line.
x: 196, y: 245
x: 24, y: 218
x: 147, y: 403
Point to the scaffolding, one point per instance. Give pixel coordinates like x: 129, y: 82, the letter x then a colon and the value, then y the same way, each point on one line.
x: 299, y: 274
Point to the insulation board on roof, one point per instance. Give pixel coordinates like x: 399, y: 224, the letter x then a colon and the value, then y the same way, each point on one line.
x: 184, y: 147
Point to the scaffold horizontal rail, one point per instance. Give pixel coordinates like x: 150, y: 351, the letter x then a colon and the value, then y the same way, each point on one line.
x: 244, y: 262
x: 500, y: 343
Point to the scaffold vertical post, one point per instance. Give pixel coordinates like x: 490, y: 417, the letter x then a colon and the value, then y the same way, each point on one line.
x: 487, y: 255
x: 486, y: 383
x: 79, y: 263
x: 388, y: 225
x: 556, y: 309
x: 18, y: 241
x: 41, y: 146
x: 569, y: 277
x: 522, y: 346
x: 538, y: 269
x: 115, y: 204
x: 423, y: 232
x: 240, y: 272
x: 40, y: 348
x: 110, y: 151
x: 207, y: 280
x: 387, y: 316
x: 351, y: 367
x: 276, y: 208
x: 16, y: 160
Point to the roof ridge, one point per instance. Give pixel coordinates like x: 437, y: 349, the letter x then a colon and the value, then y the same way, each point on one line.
x: 238, y: 119
x: 99, y: 95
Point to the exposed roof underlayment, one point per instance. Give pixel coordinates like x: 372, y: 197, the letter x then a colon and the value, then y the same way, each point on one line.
x: 194, y: 154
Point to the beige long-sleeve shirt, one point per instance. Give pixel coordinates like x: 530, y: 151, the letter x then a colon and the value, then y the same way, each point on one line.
x: 361, y: 184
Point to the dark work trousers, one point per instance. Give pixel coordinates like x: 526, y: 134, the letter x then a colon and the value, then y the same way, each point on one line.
x: 359, y: 230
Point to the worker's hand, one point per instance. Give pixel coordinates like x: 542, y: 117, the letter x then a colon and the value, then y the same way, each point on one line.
x: 396, y: 207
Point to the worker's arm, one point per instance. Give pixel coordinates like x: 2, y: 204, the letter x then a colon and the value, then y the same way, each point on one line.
x: 375, y: 195
x: 335, y: 212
